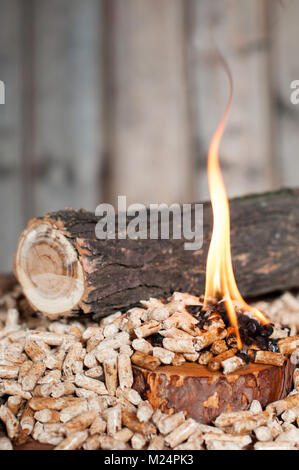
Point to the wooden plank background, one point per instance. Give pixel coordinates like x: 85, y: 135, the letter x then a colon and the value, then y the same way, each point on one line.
x: 114, y: 97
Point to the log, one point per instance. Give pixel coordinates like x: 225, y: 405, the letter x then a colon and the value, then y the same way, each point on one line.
x: 203, y: 395
x: 64, y: 269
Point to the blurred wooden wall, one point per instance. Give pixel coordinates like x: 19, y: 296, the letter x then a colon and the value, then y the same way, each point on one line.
x: 109, y: 97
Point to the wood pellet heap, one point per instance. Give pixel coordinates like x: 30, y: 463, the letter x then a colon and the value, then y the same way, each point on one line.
x: 73, y: 384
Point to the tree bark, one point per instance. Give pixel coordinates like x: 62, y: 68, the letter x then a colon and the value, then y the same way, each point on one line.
x: 64, y: 268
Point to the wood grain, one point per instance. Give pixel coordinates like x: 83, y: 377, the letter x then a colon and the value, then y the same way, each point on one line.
x: 119, y: 273
x: 149, y: 141
x: 238, y: 28
x: 204, y: 395
x: 11, y: 131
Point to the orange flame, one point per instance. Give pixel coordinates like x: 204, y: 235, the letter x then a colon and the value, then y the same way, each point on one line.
x: 220, y: 280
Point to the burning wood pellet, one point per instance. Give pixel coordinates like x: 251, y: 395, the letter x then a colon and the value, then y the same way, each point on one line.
x: 215, y: 363
x: 231, y: 339
x: 209, y: 337
x: 218, y: 347
x: 214, y: 320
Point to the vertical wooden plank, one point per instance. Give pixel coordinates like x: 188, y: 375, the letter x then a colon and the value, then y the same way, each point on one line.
x: 68, y: 103
x: 239, y: 28
x: 149, y: 143
x: 10, y: 131
x: 283, y: 21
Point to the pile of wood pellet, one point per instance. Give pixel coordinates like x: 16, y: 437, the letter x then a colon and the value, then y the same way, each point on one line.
x: 68, y: 383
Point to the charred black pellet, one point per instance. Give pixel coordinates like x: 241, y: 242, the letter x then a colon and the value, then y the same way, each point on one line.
x: 200, y: 324
x: 156, y: 339
x: 243, y: 331
x: 242, y: 320
x: 221, y: 308
x: 247, y: 340
x: 252, y: 327
x: 231, y: 340
x: 244, y: 356
x: 262, y: 343
x: 272, y: 345
x: 265, y: 330
x: 194, y: 309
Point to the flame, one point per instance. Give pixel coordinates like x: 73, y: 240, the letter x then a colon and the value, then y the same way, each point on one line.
x: 220, y: 279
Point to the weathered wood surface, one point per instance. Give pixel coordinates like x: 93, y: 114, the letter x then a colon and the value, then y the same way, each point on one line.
x: 11, y: 164
x: 239, y: 29
x: 148, y: 128
x: 204, y: 395
x: 67, y: 104
x: 153, y: 63
x: 119, y: 273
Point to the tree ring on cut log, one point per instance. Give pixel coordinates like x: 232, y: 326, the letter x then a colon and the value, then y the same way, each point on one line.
x: 203, y: 395
x: 48, y: 268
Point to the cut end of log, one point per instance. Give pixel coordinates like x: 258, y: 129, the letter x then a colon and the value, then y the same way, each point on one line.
x: 48, y: 268
x: 203, y: 395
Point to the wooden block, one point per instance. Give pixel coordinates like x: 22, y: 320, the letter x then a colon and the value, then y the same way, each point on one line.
x: 204, y: 395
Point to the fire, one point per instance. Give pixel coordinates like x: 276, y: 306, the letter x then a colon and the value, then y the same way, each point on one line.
x: 220, y: 279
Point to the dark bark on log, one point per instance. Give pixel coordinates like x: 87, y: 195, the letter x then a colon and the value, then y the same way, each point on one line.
x: 204, y: 395
x: 118, y: 273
